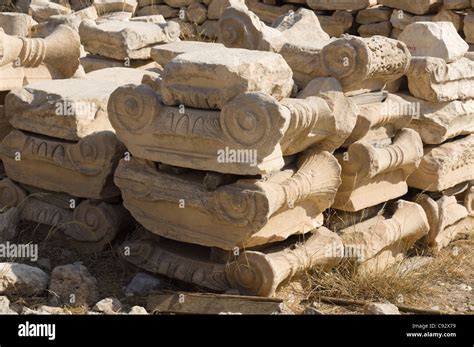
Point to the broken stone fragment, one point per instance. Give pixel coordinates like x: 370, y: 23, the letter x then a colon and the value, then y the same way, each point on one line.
x: 374, y: 173
x: 365, y: 64
x: 440, y: 40
x: 56, y: 56
x: 125, y: 39
x: 163, y: 10
x: 259, y: 273
x: 162, y: 54
x: 16, y: 24
x: 106, y: 6
x: 82, y: 169
x: 42, y: 10
x: 379, y: 242
x: 374, y: 14
x: 445, y: 166
x: 433, y: 79
x: 22, y: 279
x: 437, y: 122
x: 297, y: 36
x: 72, y: 285
x: 381, y: 28
x: 219, y: 75
x: 414, y: 6
x: 446, y: 217
x: 216, y: 7
x: 68, y: 109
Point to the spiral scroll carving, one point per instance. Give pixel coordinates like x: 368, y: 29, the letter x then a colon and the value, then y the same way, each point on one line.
x: 237, y: 208
x: 252, y: 274
x: 93, y: 221
x: 10, y: 194
x: 133, y: 108
x: 88, y: 155
x: 250, y: 118
x: 237, y: 30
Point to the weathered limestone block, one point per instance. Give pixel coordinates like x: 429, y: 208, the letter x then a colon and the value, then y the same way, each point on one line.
x: 268, y: 13
x: 251, y: 123
x: 298, y: 37
x: 340, y: 5
x: 196, y: 13
x: 68, y: 109
x: 178, y: 260
x: 216, y: 7
x: 156, y: 19
x: 449, y: 16
x: 365, y: 64
x: 414, y: 6
x: 209, y: 29
x: 258, y: 273
x: 121, y: 40
x: 374, y: 14
x: 433, y: 79
x: 373, y: 174
x: 208, y: 79
x: 379, y: 242
x: 93, y: 63
x: 440, y: 40
x: 446, y: 218
x: 456, y: 4
x: 469, y: 27
x: 42, y: 10
x: 445, y: 166
x: 381, y: 28
x: 437, y: 122
x: 162, y: 54
x: 164, y: 10
x: 114, y: 16
x: 24, y: 60
x: 379, y: 121
x: 245, y: 213
x: 106, y: 6
x: 16, y: 24
x: 82, y: 169
x: 336, y: 24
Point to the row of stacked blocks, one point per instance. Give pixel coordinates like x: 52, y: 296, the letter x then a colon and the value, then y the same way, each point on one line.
x: 230, y: 157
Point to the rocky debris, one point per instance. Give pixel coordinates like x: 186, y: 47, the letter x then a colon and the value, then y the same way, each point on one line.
x: 5, y: 306
x: 440, y: 40
x: 138, y: 310
x: 9, y: 224
x: 108, y: 306
x: 381, y: 309
x: 142, y: 283
x: 22, y: 279
x: 72, y: 285
x: 43, y: 310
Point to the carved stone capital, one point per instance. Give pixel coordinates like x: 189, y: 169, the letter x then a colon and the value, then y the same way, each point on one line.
x: 82, y: 169
x: 445, y: 166
x: 250, y: 135
x: 365, y: 63
x: 376, y: 243
x: 258, y: 273
x: 371, y: 174
x: 246, y: 213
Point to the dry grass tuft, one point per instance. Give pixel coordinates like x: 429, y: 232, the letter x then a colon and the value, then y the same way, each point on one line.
x: 390, y: 285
